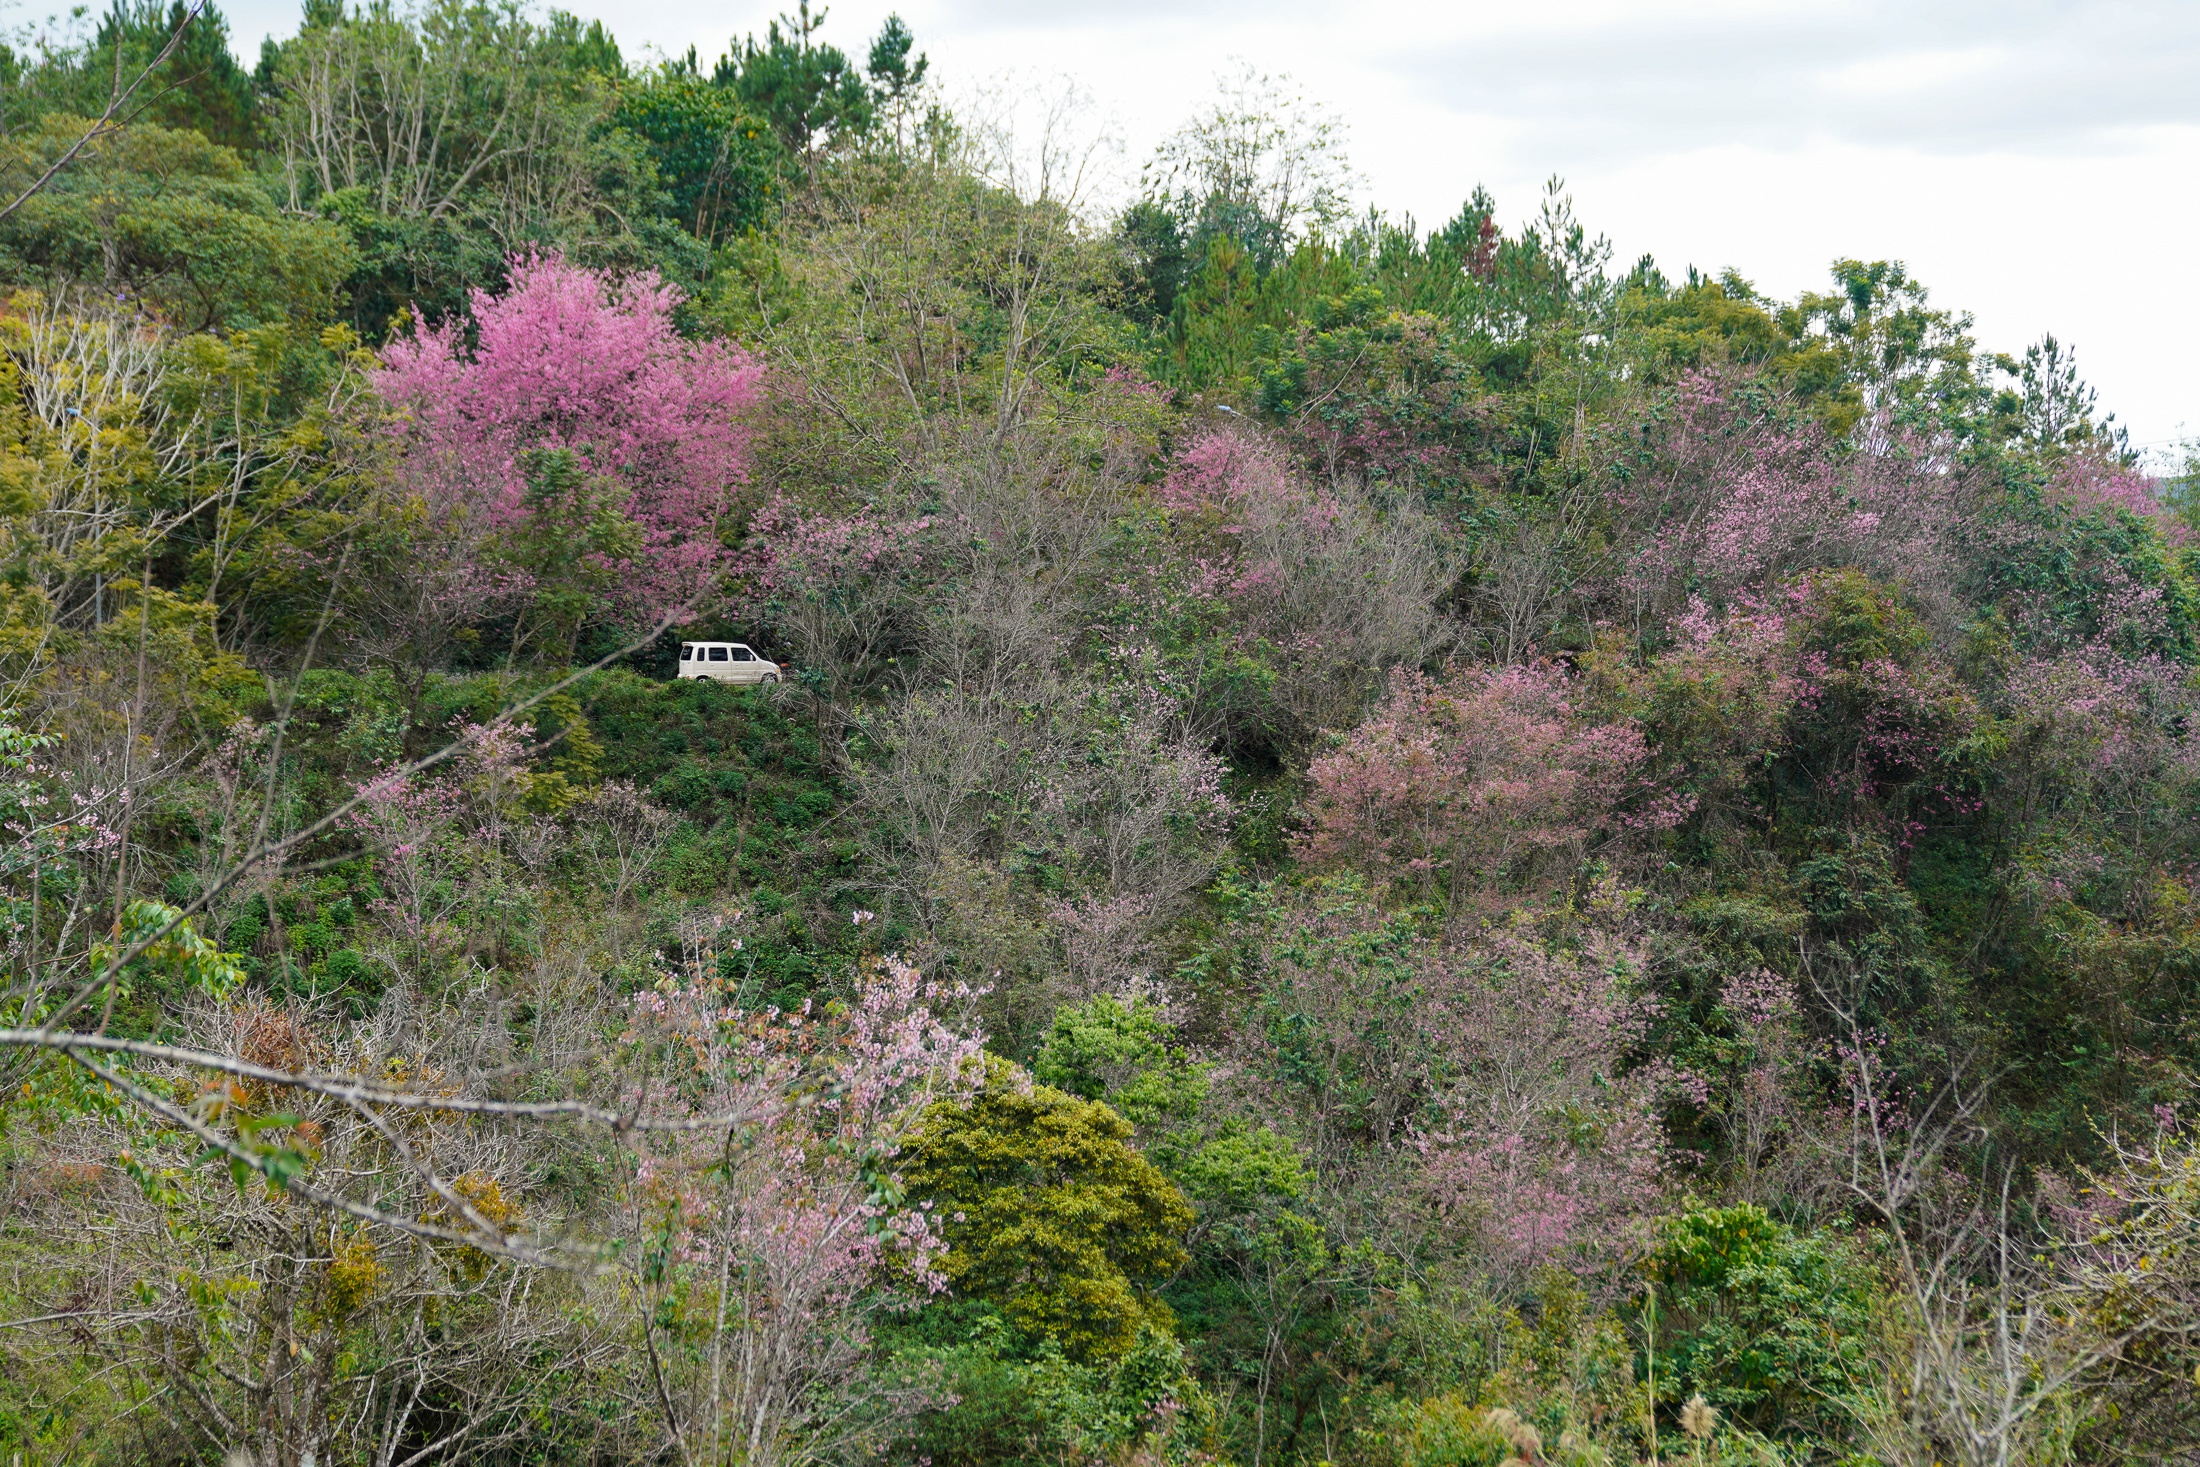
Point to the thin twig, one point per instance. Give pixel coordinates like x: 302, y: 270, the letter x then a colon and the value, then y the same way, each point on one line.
x: 106, y: 119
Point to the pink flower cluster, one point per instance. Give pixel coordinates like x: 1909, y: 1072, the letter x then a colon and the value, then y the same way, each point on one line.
x: 1474, y: 780
x: 437, y: 836
x: 1738, y: 500
x: 1539, y: 1148
x: 792, y: 551
x: 2091, y: 485
x: 808, y: 1205
x: 567, y: 358
x: 1240, y: 490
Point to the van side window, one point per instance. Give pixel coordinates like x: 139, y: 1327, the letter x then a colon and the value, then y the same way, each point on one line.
x: 687, y: 654
x: 718, y: 654
x: 743, y: 654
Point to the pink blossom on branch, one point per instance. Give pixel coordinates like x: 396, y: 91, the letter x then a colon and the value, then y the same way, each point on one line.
x: 1239, y: 492
x: 794, y: 552
x: 1540, y: 1148
x: 1739, y: 499
x: 2091, y: 485
x: 835, y: 588
x: 569, y: 359
x: 788, y: 1223
x: 1486, y: 780
x: 1244, y: 481
x: 1488, y: 1080
x: 438, y: 841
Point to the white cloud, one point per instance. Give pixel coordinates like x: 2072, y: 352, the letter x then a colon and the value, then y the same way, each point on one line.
x: 1959, y: 78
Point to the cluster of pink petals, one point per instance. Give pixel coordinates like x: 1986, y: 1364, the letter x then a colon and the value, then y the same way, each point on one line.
x: 1466, y: 778
x: 1540, y: 1149
x: 796, y: 551
x: 2093, y: 485
x: 1739, y: 501
x: 568, y: 358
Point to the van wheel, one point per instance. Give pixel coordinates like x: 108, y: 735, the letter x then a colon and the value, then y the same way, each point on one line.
x: 771, y: 677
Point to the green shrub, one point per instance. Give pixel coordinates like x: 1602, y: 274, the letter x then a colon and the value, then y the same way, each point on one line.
x: 1768, y: 1324
x: 1049, y: 1214
x: 1020, y: 1400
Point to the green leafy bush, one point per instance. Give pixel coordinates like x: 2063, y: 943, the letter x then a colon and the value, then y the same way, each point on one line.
x: 1768, y: 1324
x: 1020, y: 1400
x: 1049, y: 1214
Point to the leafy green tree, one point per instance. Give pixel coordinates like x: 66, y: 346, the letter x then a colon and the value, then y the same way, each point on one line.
x: 1383, y: 396
x: 280, y: 465
x: 119, y: 449
x: 2060, y: 411
x: 897, y: 83
x: 889, y: 66
x: 1770, y: 1325
x: 717, y: 164
x: 1049, y: 1213
x: 1155, y: 259
x: 1020, y: 1402
x: 1875, y: 342
x: 164, y: 219
x: 448, y: 139
x: 1119, y: 1053
x: 409, y: 265
x: 812, y: 95
x: 593, y: 51
x: 1703, y: 323
x: 199, y: 87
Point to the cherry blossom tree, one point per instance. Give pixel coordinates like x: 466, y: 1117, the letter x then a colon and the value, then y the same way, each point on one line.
x: 836, y: 587
x: 1738, y: 497
x: 1488, y: 780
x: 2089, y: 484
x: 577, y: 407
x: 1482, y: 1084
x: 1540, y: 1149
x: 444, y: 847
x: 1239, y: 493
x: 1324, y: 582
x: 767, y: 1251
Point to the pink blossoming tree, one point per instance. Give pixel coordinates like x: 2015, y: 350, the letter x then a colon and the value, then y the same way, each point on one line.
x: 1485, y: 784
x: 1483, y: 1085
x: 2101, y: 765
x: 1539, y: 1148
x: 1238, y: 494
x: 2090, y: 485
x: 775, y: 1229
x: 1254, y: 564
x: 578, y: 418
x: 446, y: 844
x: 837, y: 587
x: 1820, y: 703
x: 1740, y: 498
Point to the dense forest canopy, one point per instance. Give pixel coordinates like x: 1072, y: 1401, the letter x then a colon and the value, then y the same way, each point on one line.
x: 1370, y: 845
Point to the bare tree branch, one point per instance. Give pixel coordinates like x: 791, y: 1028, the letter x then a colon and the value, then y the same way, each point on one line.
x: 106, y: 120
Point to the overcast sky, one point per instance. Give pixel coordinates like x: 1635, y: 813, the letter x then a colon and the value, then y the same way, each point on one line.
x: 2036, y: 164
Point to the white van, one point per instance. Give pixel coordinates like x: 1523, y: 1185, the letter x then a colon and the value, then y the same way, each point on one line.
x: 725, y: 662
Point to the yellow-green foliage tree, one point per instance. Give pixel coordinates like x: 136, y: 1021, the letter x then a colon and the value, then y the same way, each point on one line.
x: 1050, y: 1214
x: 124, y: 446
